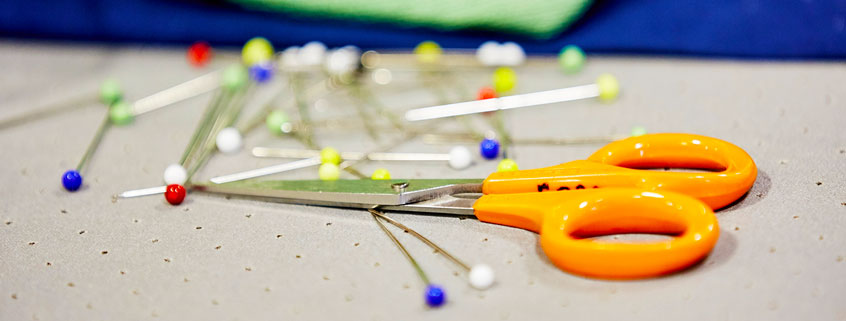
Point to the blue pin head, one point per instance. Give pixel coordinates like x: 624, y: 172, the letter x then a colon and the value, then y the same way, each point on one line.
x: 435, y: 295
x: 489, y: 148
x: 71, y: 180
x: 261, y: 72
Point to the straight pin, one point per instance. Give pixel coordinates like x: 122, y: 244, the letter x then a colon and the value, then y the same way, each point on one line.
x: 459, y: 157
x: 72, y: 179
x: 606, y: 88
x: 481, y: 276
x: 110, y: 93
x: 434, y: 294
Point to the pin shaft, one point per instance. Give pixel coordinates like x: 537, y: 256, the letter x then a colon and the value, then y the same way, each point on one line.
x: 188, y: 89
x: 98, y: 136
x: 399, y: 245
x: 143, y: 192
x: 264, y: 171
x: 353, y: 156
x: 421, y: 238
x: 502, y: 103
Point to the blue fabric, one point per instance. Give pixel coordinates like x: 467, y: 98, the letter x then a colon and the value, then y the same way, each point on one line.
x: 809, y: 29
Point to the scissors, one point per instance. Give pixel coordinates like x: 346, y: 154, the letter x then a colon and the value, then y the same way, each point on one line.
x: 608, y: 193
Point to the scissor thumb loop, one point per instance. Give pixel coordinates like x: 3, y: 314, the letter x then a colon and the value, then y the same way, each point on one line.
x: 565, y: 234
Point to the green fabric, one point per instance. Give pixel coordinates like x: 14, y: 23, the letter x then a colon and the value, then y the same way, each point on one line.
x: 536, y: 18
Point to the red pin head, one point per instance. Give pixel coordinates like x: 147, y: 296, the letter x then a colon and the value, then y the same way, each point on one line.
x: 199, y: 54
x: 486, y: 93
x: 175, y: 194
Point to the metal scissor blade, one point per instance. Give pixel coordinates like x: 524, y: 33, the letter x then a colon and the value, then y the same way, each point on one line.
x: 446, y: 205
x: 348, y: 193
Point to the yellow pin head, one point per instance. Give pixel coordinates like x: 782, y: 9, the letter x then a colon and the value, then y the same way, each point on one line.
x: 428, y: 52
x: 609, y: 88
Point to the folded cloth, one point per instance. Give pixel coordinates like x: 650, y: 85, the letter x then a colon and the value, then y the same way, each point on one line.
x: 534, y: 18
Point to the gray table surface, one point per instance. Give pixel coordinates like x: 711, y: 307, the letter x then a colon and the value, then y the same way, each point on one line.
x: 781, y: 253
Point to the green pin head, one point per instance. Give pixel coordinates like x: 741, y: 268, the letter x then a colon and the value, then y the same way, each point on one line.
x: 638, y: 131
x: 110, y: 92
x: 235, y: 77
x: 571, y: 59
x: 275, y: 120
x: 120, y: 113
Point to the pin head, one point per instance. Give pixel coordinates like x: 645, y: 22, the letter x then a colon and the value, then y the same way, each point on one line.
x: 486, y: 93
x: 290, y: 57
x: 71, y: 180
x: 638, y: 131
x: 329, y: 172
x: 512, y: 54
x: 175, y: 174
x: 507, y: 165
x: 175, y: 194
x: 312, y: 53
x: 504, y: 79
x: 261, y: 72
x: 275, y: 120
x: 460, y: 157
x: 228, y: 140
x: 380, y: 174
x: 481, y: 276
x: 199, y: 54
x: 488, y: 53
x: 609, y: 88
x: 343, y: 61
x: 256, y: 50
x: 120, y: 114
x: 330, y: 155
x: 435, y: 295
x: 234, y: 77
x: 110, y: 92
x: 489, y: 148
x: 428, y: 52
x: 571, y: 59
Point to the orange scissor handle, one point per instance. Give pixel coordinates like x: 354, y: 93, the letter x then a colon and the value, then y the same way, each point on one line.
x: 619, y: 164
x: 565, y: 219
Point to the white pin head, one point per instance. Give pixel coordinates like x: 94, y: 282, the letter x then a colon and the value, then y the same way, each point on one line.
x: 228, y: 140
x: 488, y: 53
x: 175, y: 174
x: 511, y: 54
x: 312, y: 53
x: 481, y: 276
x: 343, y: 60
x: 460, y: 157
x: 290, y: 57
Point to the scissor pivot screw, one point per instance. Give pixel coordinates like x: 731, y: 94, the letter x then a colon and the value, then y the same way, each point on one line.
x: 399, y: 187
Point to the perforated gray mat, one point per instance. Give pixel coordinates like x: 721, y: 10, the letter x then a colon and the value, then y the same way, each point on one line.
x: 81, y: 256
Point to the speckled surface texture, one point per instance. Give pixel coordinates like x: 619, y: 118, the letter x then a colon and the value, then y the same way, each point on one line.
x: 80, y: 256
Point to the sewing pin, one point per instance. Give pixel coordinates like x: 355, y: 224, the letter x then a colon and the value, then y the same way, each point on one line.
x: 459, y: 157
x: 606, y: 88
x: 110, y: 93
x: 481, y: 276
x: 118, y: 114
x: 434, y: 294
x: 465, y: 138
